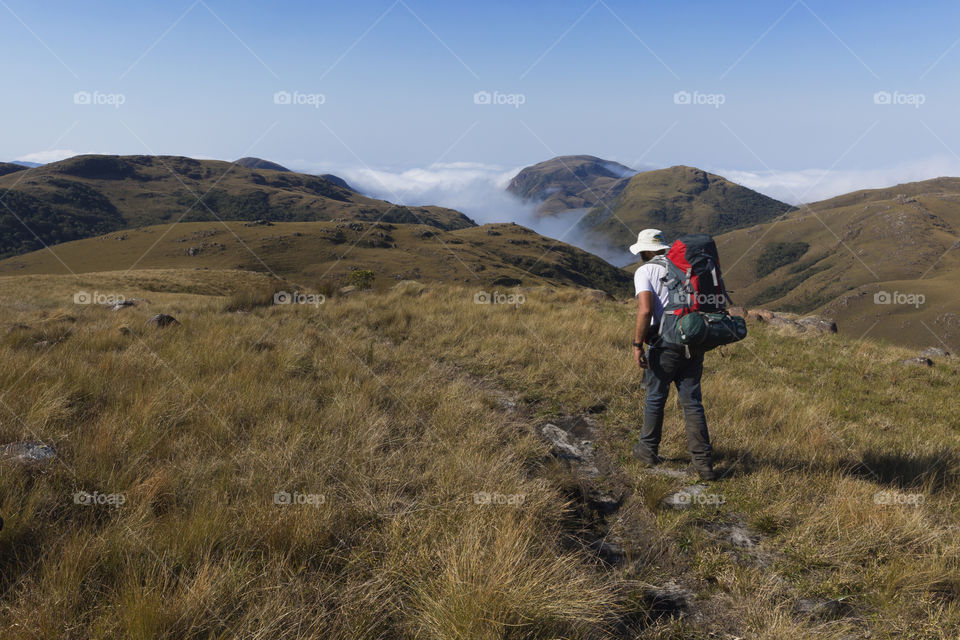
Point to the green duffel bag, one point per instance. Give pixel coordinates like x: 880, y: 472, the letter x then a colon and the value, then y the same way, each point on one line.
x: 706, y: 331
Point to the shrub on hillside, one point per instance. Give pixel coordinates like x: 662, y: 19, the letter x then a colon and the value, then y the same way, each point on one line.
x: 362, y: 279
x: 776, y: 255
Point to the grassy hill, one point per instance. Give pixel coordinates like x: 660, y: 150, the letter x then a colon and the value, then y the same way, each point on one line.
x: 311, y: 252
x: 835, y: 256
x: 9, y: 167
x: 259, y: 163
x: 91, y: 195
x: 679, y: 200
x: 375, y: 467
x: 569, y: 182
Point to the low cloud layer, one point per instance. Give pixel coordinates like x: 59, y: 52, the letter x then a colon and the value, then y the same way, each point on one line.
x: 811, y: 185
x: 479, y: 191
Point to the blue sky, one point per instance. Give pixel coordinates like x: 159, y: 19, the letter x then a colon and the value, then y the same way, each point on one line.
x: 786, y: 90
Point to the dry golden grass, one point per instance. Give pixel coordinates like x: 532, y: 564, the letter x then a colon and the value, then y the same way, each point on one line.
x: 384, y: 406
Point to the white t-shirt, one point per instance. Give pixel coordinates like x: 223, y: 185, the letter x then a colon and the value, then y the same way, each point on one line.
x: 649, y: 277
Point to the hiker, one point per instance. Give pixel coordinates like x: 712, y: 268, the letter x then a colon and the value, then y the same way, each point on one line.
x: 665, y: 363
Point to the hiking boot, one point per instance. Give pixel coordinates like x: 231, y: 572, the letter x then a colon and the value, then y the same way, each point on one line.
x: 646, y: 456
x: 704, y: 471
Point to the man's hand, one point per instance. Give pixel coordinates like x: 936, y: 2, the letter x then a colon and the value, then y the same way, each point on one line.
x: 640, y: 357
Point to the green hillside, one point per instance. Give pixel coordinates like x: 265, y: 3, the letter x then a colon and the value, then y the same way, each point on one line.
x: 900, y: 240
x: 679, y: 200
x: 492, y: 255
x: 90, y: 195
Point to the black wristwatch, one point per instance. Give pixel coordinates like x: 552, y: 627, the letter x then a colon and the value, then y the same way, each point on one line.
x: 638, y: 345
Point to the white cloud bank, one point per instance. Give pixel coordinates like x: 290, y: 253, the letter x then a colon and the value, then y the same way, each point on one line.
x: 479, y: 191
x: 52, y: 155
x: 811, y: 185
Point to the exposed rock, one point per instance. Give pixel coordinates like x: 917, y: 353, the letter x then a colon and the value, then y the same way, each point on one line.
x: 162, y: 320
x: 734, y: 534
x: 572, y: 438
x: 787, y: 324
x: 123, y: 304
x: 27, y: 453
x: 668, y: 600
x: 738, y: 311
x: 347, y: 290
x: 919, y: 361
x: 818, y: 324
x: 760, y: 315
x: 821, y: 608
x: 934, y: 352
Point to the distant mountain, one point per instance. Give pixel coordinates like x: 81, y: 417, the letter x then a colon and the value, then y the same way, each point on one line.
x: 570, y: 182
x: 257, y: 163
x: 337, y: 180
x: 28, y: 165
x: 493, y: 256
x: 91, y: 195
x: 679, y: 200
x: 835, y: 256
x: 10, y: 167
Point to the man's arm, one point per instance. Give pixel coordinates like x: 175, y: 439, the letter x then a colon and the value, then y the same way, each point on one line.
x: 644, y: 313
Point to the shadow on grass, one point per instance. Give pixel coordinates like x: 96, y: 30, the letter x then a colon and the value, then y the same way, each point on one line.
x: 936, y: 471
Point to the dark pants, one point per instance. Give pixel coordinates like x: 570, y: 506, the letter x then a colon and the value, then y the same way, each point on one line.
x: 669, y: 366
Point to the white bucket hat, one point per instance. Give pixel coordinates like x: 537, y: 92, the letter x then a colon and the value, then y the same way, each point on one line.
x: 649, y: 240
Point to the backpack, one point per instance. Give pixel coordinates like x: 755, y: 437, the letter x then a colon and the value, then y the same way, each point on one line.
x: 696, y: 316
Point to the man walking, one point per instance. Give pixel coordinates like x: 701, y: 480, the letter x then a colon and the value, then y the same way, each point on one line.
x: 664, y: 364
